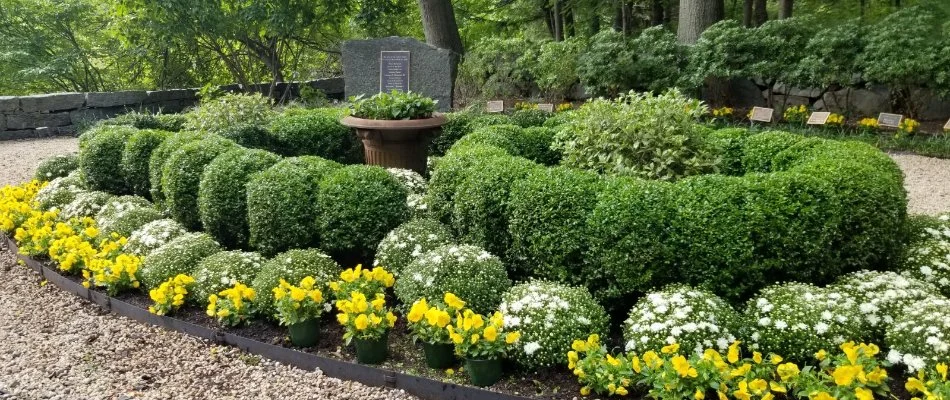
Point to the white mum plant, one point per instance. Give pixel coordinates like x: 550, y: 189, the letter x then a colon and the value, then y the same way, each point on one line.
x: 469, y: 272
x: 695, y: 319
x: 408, y: 241
x: 125, y: 214
x: 550, y: 316
x: 882, y: 297
x: 797, y: 320
x: 59, y: 192
x: 153, y: 235
x: 929, y: 259
x: 85, y: 204
x: 179, y: 256
x: 222, y: 270
x: 410, y: 179
x: 920, y: 338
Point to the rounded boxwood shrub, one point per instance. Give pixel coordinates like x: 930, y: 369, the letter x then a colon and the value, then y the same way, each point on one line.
x: 730, y: 142
x: 222, y: 270
x: 101, y: 157
x: 56, y: 167
x: 483, y: 120
x: 530, y: 117
x: 535, y: 145
x: 550, y: 316
x: 289, y: 187
x: 456, y: 126
x: 136, y: 157
x: 796, y: 320
x: 161, y: 154
x: 359, y: 204
x: 921, y: 336
x: 145, y: 120
x: 292, y: 266
x: 403, y: 245
x: 179, y: 256
x: 451, y: 171
x: 153, y: 235
x: 85, y: 204
x: 558, y: 119
x: 758, y: 150
x: 469, y: 272
x: 222, y: 194
x: 60, y: 191
x: 548, y: 212
x: 317, y: 132
x: 125, y: 214
x: 694, y: 318
x: 883, y: 297
x: 928, y: 255
x: 480, y: 205
x: 249, y: 135
x: 181, y: 177
x: 504, y: 137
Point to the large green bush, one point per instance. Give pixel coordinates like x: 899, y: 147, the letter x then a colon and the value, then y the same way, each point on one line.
x: 160, y: 156
x: 492, y: 69
x: 222, y: 194
x: 535, y: 144
x: 759, y: 149
x: 283, y: 206
x: 316, y: 132
x: 100, y: 159
x: 136, y: 157
x: 359, y: 204
x: 451, y: 172
x: 250, y: 135
x: 179, y: 256
x: 642, y: 135
x: 547, y: 217
x: 504, y: 137
x: 181, y: 177
x: 604, y: 67
x: 530, y: 117
x: 472, y: 274
x: 222, y: 270
x: 218, y: 114
x: 292, y: 266
x: 729, y: 143
x: 56, y: 167
x: 554, y: 70
x: 456, y: 126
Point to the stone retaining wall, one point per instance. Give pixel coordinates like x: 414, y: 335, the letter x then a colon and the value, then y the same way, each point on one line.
x: 63, y: 113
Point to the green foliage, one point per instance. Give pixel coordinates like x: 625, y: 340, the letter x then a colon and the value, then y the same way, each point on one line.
x: 395, y: 105
x: 832, y: 56
x: 216, y: 115
x: 125, y: 214
x: 605, y: 67
x: 290, y: 187
x: 56, y: 167
x: 530, y: 117
x: 222, y: 194
x: 456, y: 126
x: 181, y: 177
x: 222, y: 270
x: 547, y: 219
x: 147, y: 120
x: 729, y: 142
x: 313, y: 97
x: 359, y: 204
x: 654, y: 137
x: 491, y: 69
x: 554, y: 68
x: 85, y: 204
x: 724, y: 50
x: 472, y: 274
x: 450, y: 172
x: 179, y: 256
x: 316, y: 132
x: 901, y: 48
x: 408, y: 241
x: 759, y: 149
x: 292, y: 266
x: 136, y: 157
x: 779, y: 46
x: 658, y: 60
x: 504, y: 137
x: 100, y: 159
x: 161, y: 154
x: 536, y: 143
x: 249, y: 135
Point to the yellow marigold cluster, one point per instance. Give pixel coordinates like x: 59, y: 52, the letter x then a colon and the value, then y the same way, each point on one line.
x: 722, y: 112
x: 428, y: 322
x: 363, y: 318
x: 36, y: 234
x: 868, y: 124
x: 232, y: 306
x: 366, y: 281
x: 796, y: 114
x: 296, y: 304
x: 835, y: 120
x: 478, y: 337
x: 908, y: 126
x: 16, y: 204
x: 171, y: 294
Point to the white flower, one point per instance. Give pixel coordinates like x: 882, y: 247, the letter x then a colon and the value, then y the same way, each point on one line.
x: 530, y: 348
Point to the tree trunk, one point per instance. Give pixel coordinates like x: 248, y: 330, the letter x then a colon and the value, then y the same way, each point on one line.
x: 438, y: 21
x: 569, y: 22
x: 696, y: 16
x: 618, y: 16
x: 627, y: 18
x: 785, y: 8
x: 656, y: 13
x: 558, y: 22
x: 747, y: 13
x: 759, y: 13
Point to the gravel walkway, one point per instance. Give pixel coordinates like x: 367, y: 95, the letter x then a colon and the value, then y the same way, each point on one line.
x: 19, y: 158
x: 927, y: 181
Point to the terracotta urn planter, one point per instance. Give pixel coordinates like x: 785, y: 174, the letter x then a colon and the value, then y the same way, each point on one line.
x: 397, y: 143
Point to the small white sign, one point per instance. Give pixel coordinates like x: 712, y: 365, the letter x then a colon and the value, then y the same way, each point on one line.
x: 889, y: 120
x: 546, y: 107
x: 818, y: 118
x: 762, y: 114
x: 496, y: 106
x: 947, y: 126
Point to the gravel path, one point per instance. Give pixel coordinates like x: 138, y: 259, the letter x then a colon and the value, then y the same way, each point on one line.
x: 55, y: 346
x: 19, y: 158
x: 927, y: 181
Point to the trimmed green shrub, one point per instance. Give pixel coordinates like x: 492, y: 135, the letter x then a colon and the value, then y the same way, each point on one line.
x: 472, y: 274
x: 694, y: 318
x: 218, y: 114
x: 548, y: 212
x: 480, y: 205
x: 504, y: 137
x: 282, y: 204
x: 550, y: 316
x: 729, y: 142
x: 222, y: 270
x: 56, y: 167
x: 153, y: 235
x: 530, y: 117
x: 559, y: 119
x: 536, y: 143
x: 485, y: 120
x: 921, y: 336
x: 179, y: 256
x: 451, y: 172
x: 222, y: 194
x: 759, y: 149
x: 359, y: 204
x: 797, y: 320
x: 249, y: 135
x: 317, y: 132
x: 882, y: 298
x: 403, y: 245
x: 630, y: 251
x: 160, y: 156
x: 117, y: 205
x: 85, y: 204
x: 136, y: 157
x: 457, y: 125
x: 181, y: 177
x: 100, y: 159
x: 60, y: 191
x: 292, y: 266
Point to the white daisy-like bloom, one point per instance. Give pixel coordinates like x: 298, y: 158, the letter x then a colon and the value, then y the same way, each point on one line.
x: 696, y: 319
x: 407, y: 242
x: 882, y: 297
x: 922, y: 333
x: 531, y: 347
x: 929, y: 257
x: 152, y: 235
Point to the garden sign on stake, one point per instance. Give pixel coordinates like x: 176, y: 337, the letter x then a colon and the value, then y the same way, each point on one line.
x: 889, y: 120
x: 761, y: 114
x: 818, y: 118
x: 495, y: 106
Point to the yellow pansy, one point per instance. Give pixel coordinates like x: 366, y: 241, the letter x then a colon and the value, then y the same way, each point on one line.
x: 670, y: 349
x: 453, y: 301
x: 361, y: 322
x: 733, y: 355
x: 788, y: 371
x: 490, y: 333
x: 699, y: 395
x: 512, y: 337
x: 941, y: 369
x: 846, y: 374
x: 757, y: 357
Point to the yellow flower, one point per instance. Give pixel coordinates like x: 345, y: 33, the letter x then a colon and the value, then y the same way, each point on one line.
x: 622, y: 391
x: 635, y: 363
x: 670, y: 349
x: 417, y: 311
x: 787, y: 371
x: 863, y: 394
x: 361, y: 322
x: 775, y: 359
x: 941, y: 369
x: 845, y: 374
x: 391, y: 319
x: 512, y: 337
x: 571, y: 359
x: 733, y: 355
x: 474, y: 338
x: 699, y: 395
x: 741, y: 371
x: 722, y: 396
x: 820, y: 396
x: 585, y: 391
x: 378, y: 303
x: 456, y: 338
x: 579, y: 345
x: 877, y: 375
x: 777, y: 387
x: 757, y: 357
x: 449, y: 372
x: 850, y: 351
x: 759, y: 386
x: 453, y: 301
x: 683, y: 368
x: 821, y: 354
x: 613, y: 361
x: 914, y: 385
x: 490, y: 333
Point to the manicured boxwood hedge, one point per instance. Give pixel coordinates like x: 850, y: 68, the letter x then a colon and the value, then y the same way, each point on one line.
x: 316, y: 132
x: 250, y: 135
x: 136, y: 159
x: 222, y: 194
x: 450, y: 172
x: 530, y: 118
x: 181, y: 177
x: 100, y: 158
x: 758, y: 150
x: 160, y: 156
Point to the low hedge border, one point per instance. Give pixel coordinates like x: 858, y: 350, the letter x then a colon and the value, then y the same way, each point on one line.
x: 421, y: 387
